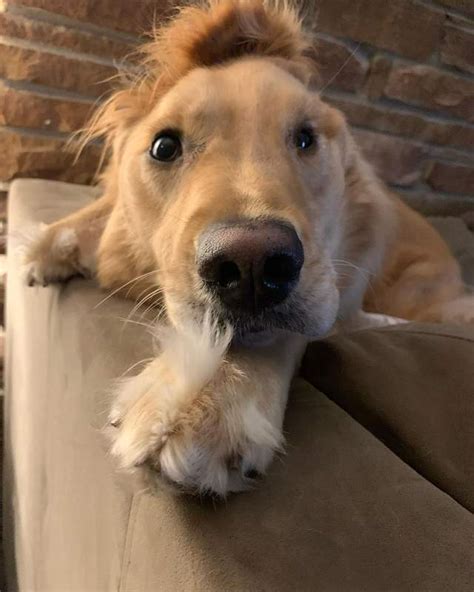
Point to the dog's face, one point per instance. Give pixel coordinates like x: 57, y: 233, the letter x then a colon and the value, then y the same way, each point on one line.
x: 235, y: 179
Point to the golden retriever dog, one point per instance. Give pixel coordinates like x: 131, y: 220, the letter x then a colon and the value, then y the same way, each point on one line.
x: 236, y: 201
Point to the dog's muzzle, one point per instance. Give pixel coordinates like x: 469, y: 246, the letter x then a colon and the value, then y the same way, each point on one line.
x: 250, y: 266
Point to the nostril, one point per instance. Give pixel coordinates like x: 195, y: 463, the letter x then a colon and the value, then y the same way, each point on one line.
x: 251, y: 265
x: 279, y: 270
x: 228, y: 274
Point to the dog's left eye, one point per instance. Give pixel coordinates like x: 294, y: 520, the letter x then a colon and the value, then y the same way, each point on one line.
x: 304, y: 138
x: 166, y: 147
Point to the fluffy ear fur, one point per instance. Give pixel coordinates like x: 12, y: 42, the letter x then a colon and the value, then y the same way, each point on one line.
x: 206, y: 35
x: 120, y: 110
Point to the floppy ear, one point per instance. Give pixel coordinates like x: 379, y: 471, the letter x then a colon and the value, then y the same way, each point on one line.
x: 123, y: 108
x: 334, y: 126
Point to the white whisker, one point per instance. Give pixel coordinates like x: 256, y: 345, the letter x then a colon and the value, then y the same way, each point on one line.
x: 136, y: 279
x: 144, y: 361
x: 346, y: 61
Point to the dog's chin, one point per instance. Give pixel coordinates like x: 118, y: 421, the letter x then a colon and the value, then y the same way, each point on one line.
x: 266, y: 329
x: 257, y: 338
x: 261, y: 337
x: 305, y: 317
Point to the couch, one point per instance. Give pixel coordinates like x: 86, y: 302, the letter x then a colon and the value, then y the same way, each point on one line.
x: 375, y: 492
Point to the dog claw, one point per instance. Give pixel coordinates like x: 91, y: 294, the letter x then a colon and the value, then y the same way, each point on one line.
x: 252, y: 474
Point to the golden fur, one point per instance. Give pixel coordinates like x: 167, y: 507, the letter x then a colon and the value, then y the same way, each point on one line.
x: 235, y: 77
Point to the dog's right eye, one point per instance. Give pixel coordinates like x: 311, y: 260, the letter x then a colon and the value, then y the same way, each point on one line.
x: 166, y: 147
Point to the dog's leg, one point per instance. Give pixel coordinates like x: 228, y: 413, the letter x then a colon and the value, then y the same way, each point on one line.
x: 206, y: 434
x: 68, y: 247
x: 459, y: 311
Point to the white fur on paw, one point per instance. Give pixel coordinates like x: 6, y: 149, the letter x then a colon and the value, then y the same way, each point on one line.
x: 52, y: 259
x: 226, y: 460
x: 219, y: 455
x: 201, y: 440
x: 66, y: 242
x: 34, y: 274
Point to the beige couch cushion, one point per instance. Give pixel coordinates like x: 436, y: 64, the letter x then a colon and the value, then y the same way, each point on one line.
x: 414, y: 390
x: 341, y: 511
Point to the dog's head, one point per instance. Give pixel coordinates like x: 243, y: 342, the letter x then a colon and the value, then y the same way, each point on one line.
x: 229, y: 171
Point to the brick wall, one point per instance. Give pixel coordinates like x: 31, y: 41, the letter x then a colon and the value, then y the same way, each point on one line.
x: 408, y: 90
x: 401, y: 70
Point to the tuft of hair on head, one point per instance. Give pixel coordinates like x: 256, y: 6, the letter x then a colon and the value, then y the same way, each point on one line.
x: 218, y: 31
x: 204, y: 35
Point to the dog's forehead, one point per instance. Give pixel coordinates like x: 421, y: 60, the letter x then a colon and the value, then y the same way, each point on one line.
x: 241, y: 85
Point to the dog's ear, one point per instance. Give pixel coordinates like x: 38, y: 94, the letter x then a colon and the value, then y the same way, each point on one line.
x: 334, y: 126
x: 123, y: 108
x: 333, y: 122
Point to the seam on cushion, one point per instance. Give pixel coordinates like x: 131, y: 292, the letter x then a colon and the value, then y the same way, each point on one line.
x: 428, y: 333
x: 401, y: 331
x: 129, y: 537
x: 409, y: 332
x: 385, y: 445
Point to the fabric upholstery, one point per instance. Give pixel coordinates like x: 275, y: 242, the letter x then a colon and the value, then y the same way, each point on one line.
x: 421, y: 406
x: 374, y: 493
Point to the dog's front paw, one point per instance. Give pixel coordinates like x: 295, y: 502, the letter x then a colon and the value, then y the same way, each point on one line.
x: 216, y: 440
x: 54, y: 256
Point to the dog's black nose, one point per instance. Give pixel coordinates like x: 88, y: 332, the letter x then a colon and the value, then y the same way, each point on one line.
x: 250, y: 265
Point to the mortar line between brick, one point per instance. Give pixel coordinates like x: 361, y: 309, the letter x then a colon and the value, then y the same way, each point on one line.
x: 437, y: 7
x: 441, y: 67
x: 49, y: 92
x: 396, y: 106
x: 62, y: 52
x: 466, y: 28
x: 40, y: 14
x: 46, y: 134
x: 424, y: 188
x: 421, y: 144
x: 36, y: 132
x: 400, y: 59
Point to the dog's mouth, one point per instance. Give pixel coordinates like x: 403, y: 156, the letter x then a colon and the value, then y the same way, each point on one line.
x: 256, y: 338
x: 311, y: 314
x: 257, y: 329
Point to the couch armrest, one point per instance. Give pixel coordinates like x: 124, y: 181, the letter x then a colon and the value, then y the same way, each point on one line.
x: 340, y: 511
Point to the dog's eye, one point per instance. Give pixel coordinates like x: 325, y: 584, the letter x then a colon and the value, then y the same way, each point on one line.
x: 166, y: 147
x: 304, y: 138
